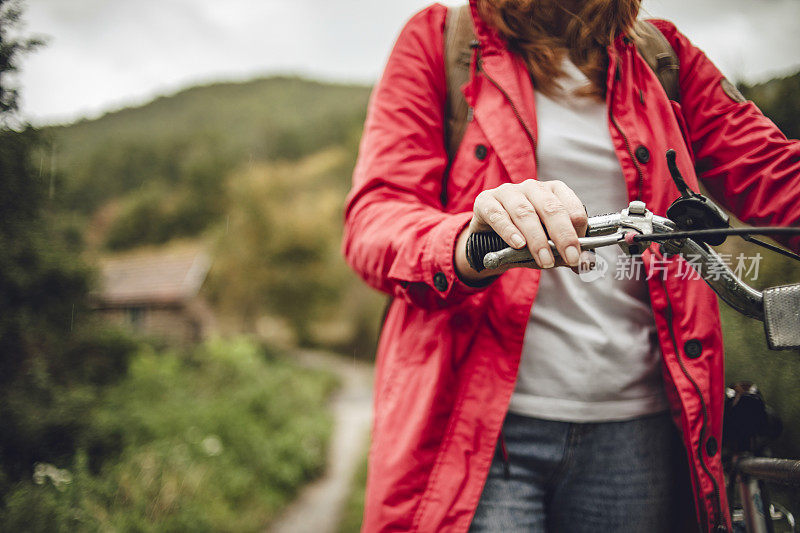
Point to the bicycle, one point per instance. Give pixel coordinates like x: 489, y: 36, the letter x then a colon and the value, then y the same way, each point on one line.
x: 749, y: 425
x: 693, y: 224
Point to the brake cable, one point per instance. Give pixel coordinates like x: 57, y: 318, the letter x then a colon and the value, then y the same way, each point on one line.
x: 702, y: 234
x: 771, y: 247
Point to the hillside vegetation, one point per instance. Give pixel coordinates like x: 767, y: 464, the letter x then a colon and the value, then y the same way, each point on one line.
x: 258, y: 170
x: 194, y: 137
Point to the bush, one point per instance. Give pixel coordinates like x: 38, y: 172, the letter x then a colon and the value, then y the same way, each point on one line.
x: 216, y: 439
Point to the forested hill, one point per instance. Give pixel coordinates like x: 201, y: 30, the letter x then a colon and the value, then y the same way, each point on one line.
x: 202, y: 130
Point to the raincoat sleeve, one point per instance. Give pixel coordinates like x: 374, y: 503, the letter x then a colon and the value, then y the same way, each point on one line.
x: 741, y: 156
x: 396, y: 235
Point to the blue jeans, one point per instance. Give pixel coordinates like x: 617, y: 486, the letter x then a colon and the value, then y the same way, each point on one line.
x: 598, y: 477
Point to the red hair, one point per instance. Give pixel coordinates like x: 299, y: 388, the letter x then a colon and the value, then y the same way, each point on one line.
x: 542, y: 31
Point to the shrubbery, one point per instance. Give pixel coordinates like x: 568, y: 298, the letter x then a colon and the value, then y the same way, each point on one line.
x: 214, y: 439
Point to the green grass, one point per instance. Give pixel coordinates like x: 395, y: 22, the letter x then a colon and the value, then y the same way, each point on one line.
x: 216, y: 440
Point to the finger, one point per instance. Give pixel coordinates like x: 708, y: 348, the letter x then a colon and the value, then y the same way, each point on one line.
x: 523, y: 215
x: 575, y: 208
x: 555, y: 218
x: 489, y: 213
x: 587, y: 263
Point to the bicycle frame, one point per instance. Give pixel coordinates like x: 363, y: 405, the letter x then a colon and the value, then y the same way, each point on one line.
x: 750, y: 475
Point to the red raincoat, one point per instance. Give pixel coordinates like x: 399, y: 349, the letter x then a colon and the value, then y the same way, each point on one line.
x: 448, y: 355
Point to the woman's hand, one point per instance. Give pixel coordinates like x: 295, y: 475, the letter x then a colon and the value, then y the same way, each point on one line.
x: 520, y: 213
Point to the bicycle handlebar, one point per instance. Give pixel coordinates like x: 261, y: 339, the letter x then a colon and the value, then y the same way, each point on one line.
x: 632, y: 229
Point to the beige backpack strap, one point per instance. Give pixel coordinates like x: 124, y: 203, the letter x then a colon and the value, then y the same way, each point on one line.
x: 458, y: 34
x: 659, y: 54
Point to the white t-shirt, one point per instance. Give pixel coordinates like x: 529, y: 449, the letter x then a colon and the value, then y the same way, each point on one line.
x: 590, y: 352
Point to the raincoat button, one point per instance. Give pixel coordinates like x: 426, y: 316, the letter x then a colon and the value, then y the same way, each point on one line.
x: 711, y: 447
x: 480, y: 152
x: 642, y: 154
x: 693, y: 348
x: 440, y: 282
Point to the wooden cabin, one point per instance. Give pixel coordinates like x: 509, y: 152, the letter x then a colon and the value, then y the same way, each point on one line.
x: 157, y: 293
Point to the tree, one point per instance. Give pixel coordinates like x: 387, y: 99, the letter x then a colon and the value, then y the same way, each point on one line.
x: 51, y: 362
x: 11, y: 49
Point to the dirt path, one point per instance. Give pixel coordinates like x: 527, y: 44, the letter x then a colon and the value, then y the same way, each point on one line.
x: 319, y: 506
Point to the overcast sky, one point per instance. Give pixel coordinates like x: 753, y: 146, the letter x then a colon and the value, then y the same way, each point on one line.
x: 105, y: 54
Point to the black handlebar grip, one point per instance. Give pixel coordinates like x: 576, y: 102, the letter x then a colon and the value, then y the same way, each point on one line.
x: 480, y: 244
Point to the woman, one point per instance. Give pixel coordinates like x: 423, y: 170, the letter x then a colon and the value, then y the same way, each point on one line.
x: 587, y: 383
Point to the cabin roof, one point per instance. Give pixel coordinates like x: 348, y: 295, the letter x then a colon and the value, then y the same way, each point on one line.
x: 152, y: 277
